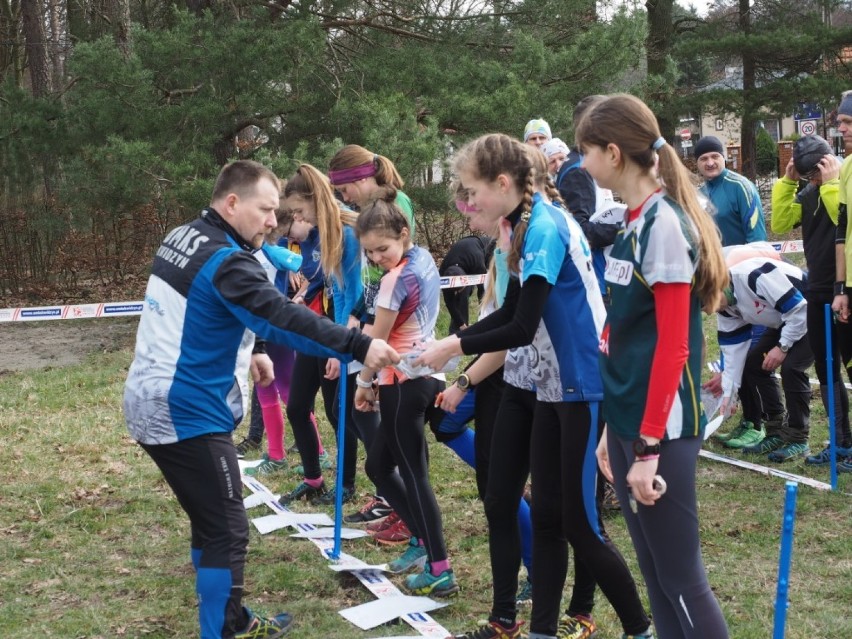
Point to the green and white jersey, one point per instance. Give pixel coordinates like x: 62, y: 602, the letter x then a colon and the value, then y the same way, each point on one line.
x: 657, y: 246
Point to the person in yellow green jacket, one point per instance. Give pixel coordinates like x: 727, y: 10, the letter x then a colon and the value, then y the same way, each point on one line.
x: 808, y: 196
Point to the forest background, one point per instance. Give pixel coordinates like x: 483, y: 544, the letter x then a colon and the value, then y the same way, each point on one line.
x: 116, y: 115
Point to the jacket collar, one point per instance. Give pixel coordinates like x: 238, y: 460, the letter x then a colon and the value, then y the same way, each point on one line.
x: 212, y: 217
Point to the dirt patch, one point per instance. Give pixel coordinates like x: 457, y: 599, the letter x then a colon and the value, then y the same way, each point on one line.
x: 53, y: 344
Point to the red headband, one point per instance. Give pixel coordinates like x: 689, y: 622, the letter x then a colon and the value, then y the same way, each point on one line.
x: 345, y: 176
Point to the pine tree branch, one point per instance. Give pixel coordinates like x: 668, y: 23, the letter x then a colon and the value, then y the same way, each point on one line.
x: 330, y: 22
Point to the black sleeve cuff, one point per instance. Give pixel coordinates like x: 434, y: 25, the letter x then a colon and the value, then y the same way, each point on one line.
x: 361, y: 345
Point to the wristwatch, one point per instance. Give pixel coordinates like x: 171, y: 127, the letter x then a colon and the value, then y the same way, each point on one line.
x: 784, y: 348
x: 463, y: 382
x: 641, y: 448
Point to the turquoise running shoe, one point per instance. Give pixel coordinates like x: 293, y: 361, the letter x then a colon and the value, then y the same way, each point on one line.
x: 414, y: 556
x: 428, y: 585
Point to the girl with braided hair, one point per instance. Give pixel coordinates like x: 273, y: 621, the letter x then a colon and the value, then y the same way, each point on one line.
x: 557, y: 313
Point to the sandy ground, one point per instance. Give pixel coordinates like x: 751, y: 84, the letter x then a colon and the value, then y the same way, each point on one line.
x: 32, y: 345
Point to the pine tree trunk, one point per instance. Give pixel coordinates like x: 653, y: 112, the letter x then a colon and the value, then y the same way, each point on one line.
x: 749, y: 115
x: 59, y: 37
x: 658, y: 47
x: 11, y: 52
x: 31, y: 12
x: 119, y: 14
x: 198, y: 6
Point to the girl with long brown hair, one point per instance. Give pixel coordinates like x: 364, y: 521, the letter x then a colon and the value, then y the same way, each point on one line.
x: 664, y: 267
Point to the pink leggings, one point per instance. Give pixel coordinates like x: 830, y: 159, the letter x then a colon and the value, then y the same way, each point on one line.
x: 270, y: 398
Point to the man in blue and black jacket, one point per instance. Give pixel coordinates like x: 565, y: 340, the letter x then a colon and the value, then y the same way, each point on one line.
x: 206, y: 299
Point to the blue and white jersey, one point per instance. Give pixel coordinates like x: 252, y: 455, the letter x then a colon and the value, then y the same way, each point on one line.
x: 206, y: 294
x: 566, y: 342
x: 766, y: 292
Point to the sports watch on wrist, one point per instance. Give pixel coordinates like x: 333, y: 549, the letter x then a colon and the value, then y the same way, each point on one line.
x: 463, y: 382
x: 641, y: 448
x: 784, y: 348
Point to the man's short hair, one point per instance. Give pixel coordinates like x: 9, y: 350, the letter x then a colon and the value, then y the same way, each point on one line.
x: 241, y: 177
x: 585, y: 104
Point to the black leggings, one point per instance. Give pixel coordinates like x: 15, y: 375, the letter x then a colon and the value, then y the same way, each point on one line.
x: 365, y: 424
x: 665, y: 537
x: 397, y: 462
x: 841, y: 341
x: 308, y: 378
x: 508, y: 469
x: 564, y: 476
x: 485, y: 409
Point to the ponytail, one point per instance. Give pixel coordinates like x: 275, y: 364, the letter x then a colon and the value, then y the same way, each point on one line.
x: 386, y: 173
x: 490, y: 294
x: 310, y: 183
x: 711, y: 274
x: 385, y: 192
x: 553, y: 193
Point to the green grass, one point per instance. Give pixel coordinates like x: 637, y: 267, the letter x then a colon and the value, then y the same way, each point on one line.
x: 94, y: 545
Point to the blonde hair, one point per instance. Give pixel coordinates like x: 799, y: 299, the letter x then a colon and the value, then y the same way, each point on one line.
x: 496, y: 154
x: 490, y: 294
x: 310, y: 184
x: 628, y: 123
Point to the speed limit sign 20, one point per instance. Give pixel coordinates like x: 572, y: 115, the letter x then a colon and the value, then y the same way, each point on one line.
x: 807, y: 127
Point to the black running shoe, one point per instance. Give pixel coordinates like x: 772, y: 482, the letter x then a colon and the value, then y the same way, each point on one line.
x: 247, y: 446
x: 302, y: 491
x: 328, y: 499
x: 375, y: 509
